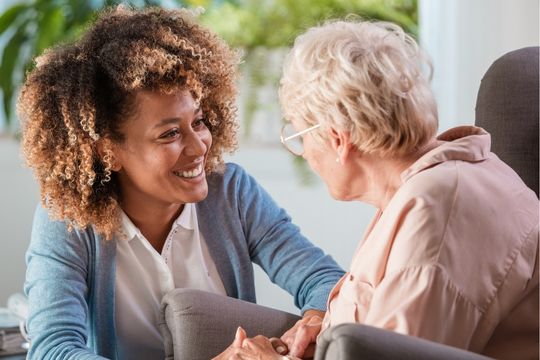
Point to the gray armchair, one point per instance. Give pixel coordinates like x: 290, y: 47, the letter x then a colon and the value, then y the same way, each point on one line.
x: 198, y: 325
x: 353, y: 341
x: 507, y: 107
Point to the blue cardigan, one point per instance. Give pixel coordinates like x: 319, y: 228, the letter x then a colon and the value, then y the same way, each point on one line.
x: 70, y: 278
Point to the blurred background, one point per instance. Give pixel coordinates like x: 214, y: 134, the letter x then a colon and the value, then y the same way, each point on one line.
x: 463, y: 37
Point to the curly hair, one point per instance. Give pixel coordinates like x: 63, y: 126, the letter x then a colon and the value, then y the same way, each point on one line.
x: 79, y: 94
x: 363, y: 77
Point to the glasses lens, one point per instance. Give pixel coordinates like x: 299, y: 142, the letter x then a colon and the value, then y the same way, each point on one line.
x: 294, y: 144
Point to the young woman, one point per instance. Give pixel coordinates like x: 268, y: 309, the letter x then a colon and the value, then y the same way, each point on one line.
x: 125, y: 131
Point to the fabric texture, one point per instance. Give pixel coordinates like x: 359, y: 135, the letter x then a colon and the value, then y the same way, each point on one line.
x: 453, y: 258
x: 198, y: 325
x: 70, y: 274
x: 507, y: 107
x: 354, y: 341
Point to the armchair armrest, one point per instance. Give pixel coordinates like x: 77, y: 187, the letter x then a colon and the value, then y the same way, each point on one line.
x: 199, y: 325
x: 354, y: 341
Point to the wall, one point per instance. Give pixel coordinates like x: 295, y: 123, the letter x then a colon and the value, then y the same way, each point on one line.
x: 18, y: 199
x: 464, y: 38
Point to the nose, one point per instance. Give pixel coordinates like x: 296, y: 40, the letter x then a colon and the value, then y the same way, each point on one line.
x: 195, y: 144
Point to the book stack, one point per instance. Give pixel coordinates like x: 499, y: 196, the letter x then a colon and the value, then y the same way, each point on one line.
x: 11, y: 340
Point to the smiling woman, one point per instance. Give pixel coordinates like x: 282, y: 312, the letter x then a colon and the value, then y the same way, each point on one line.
x: 91, y: 87
x: 125, y: 131
x: 160, y: 163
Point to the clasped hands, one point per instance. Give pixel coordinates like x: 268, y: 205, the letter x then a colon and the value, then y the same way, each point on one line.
x: 297, y: 343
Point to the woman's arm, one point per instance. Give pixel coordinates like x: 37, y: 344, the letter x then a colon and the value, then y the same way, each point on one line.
x: 57, y: 290
x: 422, y: 301
x: 289, y: 259
x: 276, y: 244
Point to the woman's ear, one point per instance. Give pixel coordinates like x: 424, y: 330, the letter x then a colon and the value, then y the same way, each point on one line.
x: 105, y: 148
x: 340, y: 142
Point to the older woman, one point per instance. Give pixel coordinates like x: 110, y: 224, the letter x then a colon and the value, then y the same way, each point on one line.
x: 125, y: 131
x: 452, y: 252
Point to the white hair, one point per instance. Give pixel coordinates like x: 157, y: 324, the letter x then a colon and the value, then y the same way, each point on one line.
x: 365, y: 78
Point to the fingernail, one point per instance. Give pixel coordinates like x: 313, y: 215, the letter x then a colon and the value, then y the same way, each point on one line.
x: 237, y: 335
x: 281, y: 349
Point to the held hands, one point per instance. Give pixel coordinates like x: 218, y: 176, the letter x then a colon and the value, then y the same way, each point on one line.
x: 257, y: 348
x: 298, y: 342
x: 300, y: 339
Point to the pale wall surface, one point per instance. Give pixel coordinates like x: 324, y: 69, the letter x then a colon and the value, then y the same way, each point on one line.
x: 18, y: 199
x: 464, y: 37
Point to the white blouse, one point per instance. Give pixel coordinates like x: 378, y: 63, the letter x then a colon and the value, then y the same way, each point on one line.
x: 143, y: 277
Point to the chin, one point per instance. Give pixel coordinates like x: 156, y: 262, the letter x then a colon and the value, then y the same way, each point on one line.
x: 333, y: 193
x: 184, y: 196
x: 336, y: 194
x: 199, y: 195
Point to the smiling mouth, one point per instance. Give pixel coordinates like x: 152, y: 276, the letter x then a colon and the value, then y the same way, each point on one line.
x: 189, y: 174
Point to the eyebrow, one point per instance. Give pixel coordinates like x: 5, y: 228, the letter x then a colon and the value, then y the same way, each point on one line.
x: 175, y: 119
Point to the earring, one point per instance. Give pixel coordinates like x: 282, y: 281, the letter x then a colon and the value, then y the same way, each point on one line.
x: 337, y: 160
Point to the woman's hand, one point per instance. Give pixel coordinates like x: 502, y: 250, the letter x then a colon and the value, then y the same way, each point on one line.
x: 300, y: 339
x: 257, y: 348
x: 237, y: 344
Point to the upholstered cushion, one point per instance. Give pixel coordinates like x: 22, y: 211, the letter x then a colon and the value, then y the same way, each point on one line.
x: 507, y: 107
x: 353, y: 341
x: 199, y: 325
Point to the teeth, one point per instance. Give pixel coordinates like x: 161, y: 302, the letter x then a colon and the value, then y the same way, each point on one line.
x: 190, y: 174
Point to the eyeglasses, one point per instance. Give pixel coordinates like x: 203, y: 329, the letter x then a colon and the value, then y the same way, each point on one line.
x: 292, y: 140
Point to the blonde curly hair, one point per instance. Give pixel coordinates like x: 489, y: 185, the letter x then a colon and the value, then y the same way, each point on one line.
x: 79, y: 94
x: 363, y: 77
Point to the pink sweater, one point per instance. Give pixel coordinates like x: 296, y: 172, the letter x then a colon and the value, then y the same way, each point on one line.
x: 454, y: 256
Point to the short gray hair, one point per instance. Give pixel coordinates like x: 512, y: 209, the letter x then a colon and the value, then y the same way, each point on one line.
x: 362, y: 77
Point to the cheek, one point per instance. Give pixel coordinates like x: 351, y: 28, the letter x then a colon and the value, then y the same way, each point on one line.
x: 207, y: 139
x: 315, y: 161
x: 152, y: 158
x: 317, y: 157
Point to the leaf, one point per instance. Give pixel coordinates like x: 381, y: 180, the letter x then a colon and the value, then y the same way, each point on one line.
x: 10, y: 57
x: 10, y: 15
x: 51, y: 27
x: 80, y: 11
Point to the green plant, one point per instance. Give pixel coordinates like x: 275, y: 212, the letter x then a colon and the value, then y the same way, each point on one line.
x: 253, y: 23
x: 260, y: 26
x: 257, y: 26
x: 29, y: 27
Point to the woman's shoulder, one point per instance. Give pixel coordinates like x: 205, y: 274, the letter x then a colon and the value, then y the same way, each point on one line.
x: 50, y: 233
x: 232, y: 187
x: 226, y: 172
x: 227, y: 178
x: 44, y: 222
x: 431, y: 188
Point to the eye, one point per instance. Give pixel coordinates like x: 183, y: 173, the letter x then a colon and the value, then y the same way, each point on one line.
x: 199, y: 123
x: 173, y: 133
